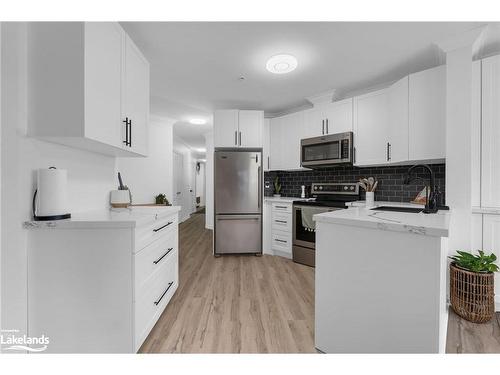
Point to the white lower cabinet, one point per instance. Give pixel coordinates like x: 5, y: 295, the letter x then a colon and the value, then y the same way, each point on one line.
x: 278, y: 230
x: 491, y: 243
x: 99, y: 286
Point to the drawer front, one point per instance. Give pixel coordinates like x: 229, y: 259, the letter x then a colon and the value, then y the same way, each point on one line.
x: 152, y: 257
x: 282, y: 241
x: 153, y: 297
x: 282, y: 221
x: 144, y: 235
x: 282, y: 207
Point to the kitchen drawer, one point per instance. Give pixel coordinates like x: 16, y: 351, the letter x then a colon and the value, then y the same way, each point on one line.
x: 282, y: 221
x: 282, y: 207
x: 153, y: 256
x: 156, y: 229
x: 281, y: 241
x: 153, y: 297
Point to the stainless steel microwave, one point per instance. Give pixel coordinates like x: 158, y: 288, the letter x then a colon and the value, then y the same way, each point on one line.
x: 326, y: 150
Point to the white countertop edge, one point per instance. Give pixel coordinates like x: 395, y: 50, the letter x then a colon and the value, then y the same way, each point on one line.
x: 284, y: 199
x: 358, y: 216
x: 106, y: 218
x: 486, y: 210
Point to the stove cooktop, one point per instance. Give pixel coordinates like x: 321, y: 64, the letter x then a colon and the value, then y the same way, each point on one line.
x: 332, y: 194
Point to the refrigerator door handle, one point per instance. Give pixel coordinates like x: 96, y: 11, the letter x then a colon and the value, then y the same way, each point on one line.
x: 259, y: 196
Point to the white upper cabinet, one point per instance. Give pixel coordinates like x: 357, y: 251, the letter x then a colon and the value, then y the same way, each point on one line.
x: 397, y: 135
x: 226, y: 128
x: 329, y: 118
x: 235, y: 128
x: 83, y: 82
x: 476, y: 135
x: 250, y: 128
x: 371, y: 119
x: 266, y: 144
x: 286, y: 133
x: 427, y: 114
x: 490, y: 109
x: 136, y: 98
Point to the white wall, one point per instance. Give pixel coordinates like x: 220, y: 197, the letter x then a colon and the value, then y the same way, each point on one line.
x: 209, y: 181
x: 200, y: 184
x: 148, y: 177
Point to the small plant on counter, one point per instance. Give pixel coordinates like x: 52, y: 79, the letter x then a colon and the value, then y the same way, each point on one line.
x: 162, y: 199
x: 475, y: 263
x: 277, y: 186
x: 472, y: 285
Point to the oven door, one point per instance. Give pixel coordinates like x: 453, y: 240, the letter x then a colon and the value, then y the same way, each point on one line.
x: 326, y: 150
x: 304, y: 228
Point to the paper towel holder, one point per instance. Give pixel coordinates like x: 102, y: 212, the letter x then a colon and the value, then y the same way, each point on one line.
x: 47, y: 218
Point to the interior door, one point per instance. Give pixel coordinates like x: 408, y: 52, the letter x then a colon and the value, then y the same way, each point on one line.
x: 238, y: 182
x: 178, y: 182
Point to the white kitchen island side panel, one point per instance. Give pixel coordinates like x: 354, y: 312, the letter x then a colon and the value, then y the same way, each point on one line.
x: 80, y: 289
x: 378, y: 291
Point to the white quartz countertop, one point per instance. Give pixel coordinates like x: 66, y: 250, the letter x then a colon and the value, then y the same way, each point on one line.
x: 110, y: 218
x: 384, y: 203
x: 284, y: 199
x: 435, y: 225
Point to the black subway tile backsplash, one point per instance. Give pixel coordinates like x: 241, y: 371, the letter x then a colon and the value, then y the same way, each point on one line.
x: 390, y: 186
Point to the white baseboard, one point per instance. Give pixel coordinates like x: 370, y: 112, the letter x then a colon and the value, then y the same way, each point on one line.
x: 211, y: 227
x: 282, y: 254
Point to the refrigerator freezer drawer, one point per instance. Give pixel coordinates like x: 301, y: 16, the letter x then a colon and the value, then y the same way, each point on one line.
x: 238, y: 234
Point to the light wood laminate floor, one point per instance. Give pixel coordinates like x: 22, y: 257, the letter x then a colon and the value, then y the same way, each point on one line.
x: 234, y: 304
x: 248, y: 304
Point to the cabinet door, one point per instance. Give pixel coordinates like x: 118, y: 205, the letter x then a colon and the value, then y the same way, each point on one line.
x: 339, y: 117
x: 276, y: 143
x: 397, y: 143
x: 370, y: 128
x: 292, y: 131
x: 250, y: 128
x: 490, y: 196
x: 476, y: 135
x: 491, y: 244
x: 103, y: 82
x: 266, y: 144
x: 315, y: 122
x: 136, y: 97
x: 427, y: 114
x: 226, y: 128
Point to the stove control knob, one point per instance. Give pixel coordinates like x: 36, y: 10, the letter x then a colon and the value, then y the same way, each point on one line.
x: 345, y: 188
x: 321, y: 188
x: 352, y: 187
x: 315, y: 188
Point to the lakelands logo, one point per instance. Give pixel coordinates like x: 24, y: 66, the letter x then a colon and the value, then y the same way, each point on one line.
x: 10, y: 340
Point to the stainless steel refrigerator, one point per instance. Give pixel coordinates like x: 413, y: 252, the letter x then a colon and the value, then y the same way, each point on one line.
x: 238, y: 201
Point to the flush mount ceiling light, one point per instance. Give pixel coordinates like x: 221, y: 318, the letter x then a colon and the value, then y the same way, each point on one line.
x: 198, y: 121
x: 281, y: 64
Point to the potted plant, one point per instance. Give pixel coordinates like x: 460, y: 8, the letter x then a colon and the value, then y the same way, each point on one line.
x: 162, y: 199
x: 277, y: 187
x: 472, y: 285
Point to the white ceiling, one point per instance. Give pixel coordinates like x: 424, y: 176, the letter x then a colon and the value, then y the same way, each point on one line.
x: 195, y: 66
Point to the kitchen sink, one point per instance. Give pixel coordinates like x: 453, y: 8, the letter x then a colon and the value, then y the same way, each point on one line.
x: 398, y: 209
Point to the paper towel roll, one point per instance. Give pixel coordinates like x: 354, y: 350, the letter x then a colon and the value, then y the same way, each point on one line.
x: 52, y: 192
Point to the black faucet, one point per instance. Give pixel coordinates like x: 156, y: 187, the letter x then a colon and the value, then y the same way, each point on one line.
x: 431, y: 205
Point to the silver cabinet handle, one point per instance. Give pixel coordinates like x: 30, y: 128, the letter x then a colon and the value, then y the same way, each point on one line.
x: 235, y: 138
x: 327, y: 126
x: 163, y: 256
x: 240, y: 138
x: 387, y: 151
x: 259, y: 197
x: 268, y: 162
x: 390, y: 151
x: 323, y: 126
x: 354, y: 149
x: 163, y: 294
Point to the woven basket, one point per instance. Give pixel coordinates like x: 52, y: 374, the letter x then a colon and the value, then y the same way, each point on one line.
x: 472, y: 294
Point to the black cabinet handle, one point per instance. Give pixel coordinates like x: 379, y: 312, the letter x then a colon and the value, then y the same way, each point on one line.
x: 163, y: 256
x: 276, y: 239
x: 126, y: 131
x: 235, y: 138
x: 323, y: 126
x: 163, y: 295
x: 130, y: 133
x: 240, y: 138
x: 280, y: 221
x: 281, y: 207
x: 268, y: 162
x: 163, y: 226
x: 327, y: 126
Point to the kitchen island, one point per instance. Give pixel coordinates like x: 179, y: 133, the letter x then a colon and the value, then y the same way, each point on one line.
x: 380, y: 281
